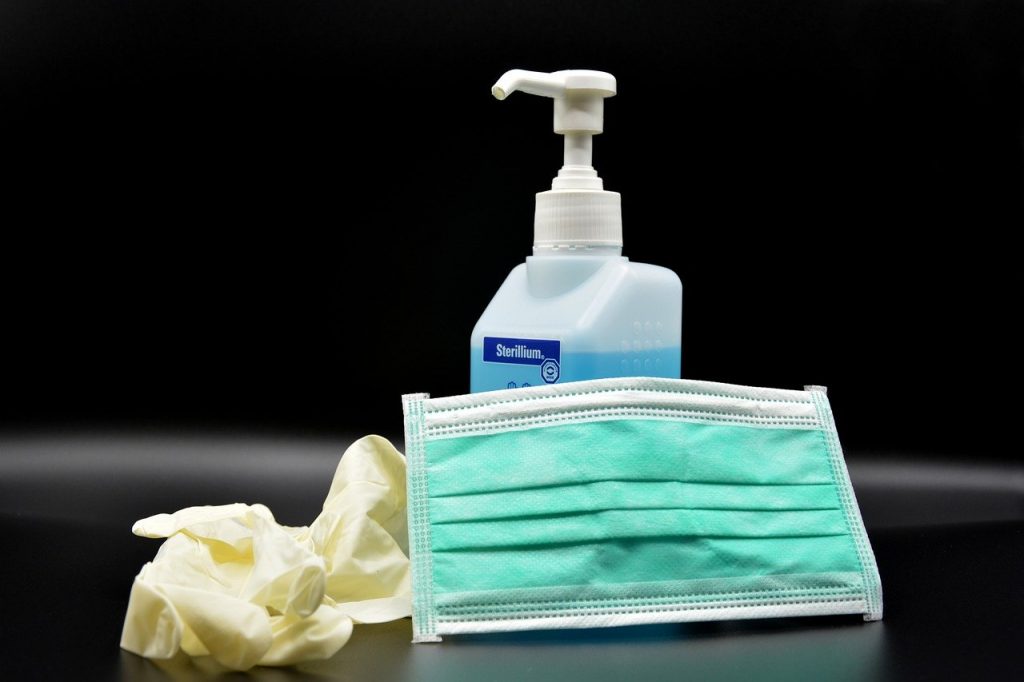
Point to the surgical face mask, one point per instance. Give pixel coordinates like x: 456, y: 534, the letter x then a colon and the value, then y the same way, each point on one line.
x: 627, y: 501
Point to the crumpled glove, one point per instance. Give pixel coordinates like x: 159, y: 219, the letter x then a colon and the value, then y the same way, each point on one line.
x: 231, y: 583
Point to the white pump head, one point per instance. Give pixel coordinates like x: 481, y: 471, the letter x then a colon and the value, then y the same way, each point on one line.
x: 576, y: 213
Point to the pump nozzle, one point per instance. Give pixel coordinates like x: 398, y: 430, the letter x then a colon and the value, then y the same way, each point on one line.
x: 557, y: 84
x: 579, y: 104
x: 577, y: 212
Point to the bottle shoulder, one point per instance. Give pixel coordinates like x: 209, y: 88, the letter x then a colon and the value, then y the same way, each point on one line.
x: 656, y: 273
x: 589, y: 309
x: 573, y: 273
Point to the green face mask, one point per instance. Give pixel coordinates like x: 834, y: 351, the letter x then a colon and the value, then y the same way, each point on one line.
x: 625, y: 501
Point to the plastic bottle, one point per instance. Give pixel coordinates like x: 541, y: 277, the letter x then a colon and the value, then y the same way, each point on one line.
x: 577, y: 309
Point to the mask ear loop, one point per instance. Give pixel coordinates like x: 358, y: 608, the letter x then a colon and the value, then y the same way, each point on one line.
x: 848, y: 500
x: 424, y: 615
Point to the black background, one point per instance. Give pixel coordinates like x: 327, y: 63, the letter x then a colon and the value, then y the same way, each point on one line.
x: 205, y: 203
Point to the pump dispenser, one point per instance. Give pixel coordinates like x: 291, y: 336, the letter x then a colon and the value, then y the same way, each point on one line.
x: 576, y: 211
x: 577, y: 309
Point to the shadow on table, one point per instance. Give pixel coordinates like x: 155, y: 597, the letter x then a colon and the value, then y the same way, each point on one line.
x: 839, y: 647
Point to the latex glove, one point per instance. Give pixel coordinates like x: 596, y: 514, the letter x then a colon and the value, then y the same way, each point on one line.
x: 231, y: 583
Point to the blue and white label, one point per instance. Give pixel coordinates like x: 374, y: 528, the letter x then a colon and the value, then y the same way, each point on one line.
x: 520, y: 351
x: 542, y: 353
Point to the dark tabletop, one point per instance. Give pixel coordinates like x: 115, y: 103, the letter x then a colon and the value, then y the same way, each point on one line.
x: 949, y: 538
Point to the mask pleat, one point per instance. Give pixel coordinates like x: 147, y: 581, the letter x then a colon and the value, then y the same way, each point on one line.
x: 655, y: 559
x: 549, y: 501
x: 625, y: 449
x: 617, y: 524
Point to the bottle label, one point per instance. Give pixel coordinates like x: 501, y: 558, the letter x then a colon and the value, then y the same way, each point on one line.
x: 542, y: 353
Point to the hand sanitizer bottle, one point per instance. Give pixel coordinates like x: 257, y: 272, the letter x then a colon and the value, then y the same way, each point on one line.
x: 577, y: 309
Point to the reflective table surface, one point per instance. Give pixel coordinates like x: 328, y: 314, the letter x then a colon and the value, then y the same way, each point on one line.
x: 949, y: 539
